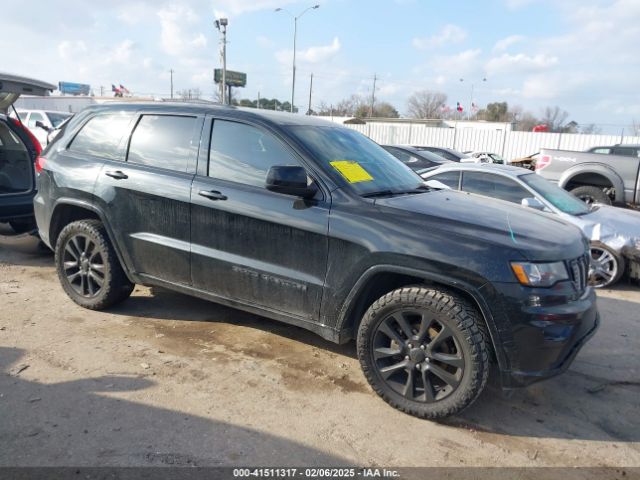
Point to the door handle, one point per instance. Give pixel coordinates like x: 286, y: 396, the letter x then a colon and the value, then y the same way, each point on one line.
x: 118, y: 175
x: 212, y: 195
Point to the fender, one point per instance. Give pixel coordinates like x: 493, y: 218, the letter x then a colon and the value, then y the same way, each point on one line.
x: 103, y: 218
x: 596, y: 169
x: 454, y: 284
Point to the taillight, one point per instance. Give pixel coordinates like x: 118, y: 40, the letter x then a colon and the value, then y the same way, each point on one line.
x: 543, y: 161
x: 32, y: 137
x: 40, y: 161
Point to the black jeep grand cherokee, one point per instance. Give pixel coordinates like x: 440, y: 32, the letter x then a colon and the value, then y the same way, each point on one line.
x: 313, y: 224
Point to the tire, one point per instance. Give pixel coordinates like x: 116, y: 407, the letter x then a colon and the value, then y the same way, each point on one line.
x: 607, y: 266
x: 23, y: 226
x: 97, y: 280
x: 406, y: 337
x: 591, y: 195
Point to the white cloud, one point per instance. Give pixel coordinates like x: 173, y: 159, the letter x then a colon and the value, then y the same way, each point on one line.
x: 311, y: 54
x: 238, y: 7
x: 264, y: 42
x: 458, y: 64
x: 516, y: 4
x: 520, y: 63
x: 506, y: 42
x: 176, y: 37
x: 120, y: 53
x: 540, y: 87
x: 67, y: 49
x: 449, y: 34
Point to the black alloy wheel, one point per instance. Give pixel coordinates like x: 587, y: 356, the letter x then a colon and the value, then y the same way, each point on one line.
x: 88, y: 267
x: 424, y: 350
x: 418, y: 356
x: 83, y: 265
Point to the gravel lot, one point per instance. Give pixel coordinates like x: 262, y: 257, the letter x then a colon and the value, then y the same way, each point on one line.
x: 166, y: 379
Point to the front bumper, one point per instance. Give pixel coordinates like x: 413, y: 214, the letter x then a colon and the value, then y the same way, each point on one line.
x: 540, y: 339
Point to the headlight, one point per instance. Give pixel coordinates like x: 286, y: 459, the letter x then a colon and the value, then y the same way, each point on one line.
x: 539, y: 274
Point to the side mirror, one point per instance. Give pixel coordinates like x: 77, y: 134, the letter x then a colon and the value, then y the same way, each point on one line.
x: 290, y: 180
x: 41, y: 125
x: 532, y: 203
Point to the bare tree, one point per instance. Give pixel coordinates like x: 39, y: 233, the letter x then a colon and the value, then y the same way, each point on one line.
x: 555, y: 118
x: 189, y: 94
x: 591, y: 128
x: 526, y: 121
x: 635, y: 127
x: 426, y: 104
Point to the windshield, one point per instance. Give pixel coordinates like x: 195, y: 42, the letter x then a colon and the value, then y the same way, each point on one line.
x: 57, y: 118
x: 356, y: 160
x: 556, y: 196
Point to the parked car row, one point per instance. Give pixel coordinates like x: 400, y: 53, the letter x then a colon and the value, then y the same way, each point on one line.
x: 313, y: 224
x: 41, y: 122
x: 614, y: 233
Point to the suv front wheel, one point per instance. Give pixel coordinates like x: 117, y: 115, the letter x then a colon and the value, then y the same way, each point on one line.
x: 423, y: 351
x: 88, y: 268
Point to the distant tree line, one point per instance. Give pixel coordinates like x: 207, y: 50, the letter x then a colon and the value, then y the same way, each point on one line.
x: 427, y: 104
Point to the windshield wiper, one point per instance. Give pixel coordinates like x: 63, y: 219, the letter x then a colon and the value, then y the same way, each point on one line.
x: 390, y: 193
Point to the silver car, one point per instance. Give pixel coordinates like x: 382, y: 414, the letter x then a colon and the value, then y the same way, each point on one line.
x: 614, y: 232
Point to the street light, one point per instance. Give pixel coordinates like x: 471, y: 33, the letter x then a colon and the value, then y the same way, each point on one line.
x: 295, y: 31
x: 221, y: 25
x: 484, y: 79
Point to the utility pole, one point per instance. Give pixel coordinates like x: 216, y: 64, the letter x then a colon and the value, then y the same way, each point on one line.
x: 171, y: 73
x: 258, y: 100
x: 373, y: 96
x: 101, y: 91
x: 310, y: 90
x: 221, y: 25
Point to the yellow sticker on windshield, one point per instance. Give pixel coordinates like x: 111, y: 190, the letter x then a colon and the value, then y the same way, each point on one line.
x: 352, y: 171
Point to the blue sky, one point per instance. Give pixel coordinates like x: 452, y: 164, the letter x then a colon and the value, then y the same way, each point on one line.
x: 577, y: 54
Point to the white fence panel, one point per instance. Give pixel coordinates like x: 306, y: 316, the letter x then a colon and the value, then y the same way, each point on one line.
x: 509, y: 144
x: 478, y: 140
x: 433, y: 136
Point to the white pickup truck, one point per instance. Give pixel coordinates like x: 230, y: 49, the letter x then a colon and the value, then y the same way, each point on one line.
x: 593, y: 177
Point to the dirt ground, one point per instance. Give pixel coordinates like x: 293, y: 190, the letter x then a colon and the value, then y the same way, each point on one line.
x: 166, y: 379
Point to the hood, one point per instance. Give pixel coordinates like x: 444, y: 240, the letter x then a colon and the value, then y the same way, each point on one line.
x: 12, y: 86
x: 618, y: 228
x: 536, y: 235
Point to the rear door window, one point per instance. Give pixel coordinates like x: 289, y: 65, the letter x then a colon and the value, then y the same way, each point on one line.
x: 494, y: 186
x: 163, y: 141
x: 450, y: 179
x: 101, y: 136
x: 411, y: 161
x: 627, y: 151
x: 243, y: 153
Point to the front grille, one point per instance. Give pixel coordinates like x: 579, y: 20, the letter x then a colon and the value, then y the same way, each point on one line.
x: 579, y: 269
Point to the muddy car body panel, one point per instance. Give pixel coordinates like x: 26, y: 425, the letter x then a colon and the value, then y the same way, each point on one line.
x: 317, y: 262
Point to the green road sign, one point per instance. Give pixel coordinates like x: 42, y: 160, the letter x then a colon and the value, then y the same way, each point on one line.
x: 234, y: 79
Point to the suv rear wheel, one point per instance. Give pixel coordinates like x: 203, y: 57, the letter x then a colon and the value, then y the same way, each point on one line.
x: 88, y: 268
x: 423, y: 351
